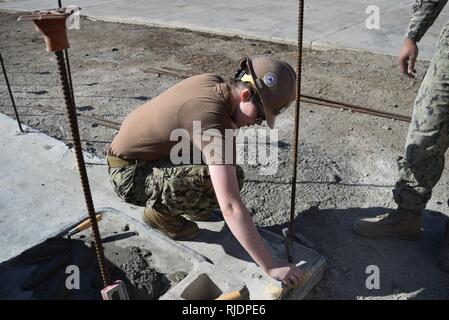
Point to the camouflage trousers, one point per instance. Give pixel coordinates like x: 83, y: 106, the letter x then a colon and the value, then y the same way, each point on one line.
x: 168, y: 188
x: 428, y: 137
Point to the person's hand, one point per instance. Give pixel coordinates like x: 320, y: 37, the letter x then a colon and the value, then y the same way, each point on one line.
x: 287, y: 273
x: 407, y: 57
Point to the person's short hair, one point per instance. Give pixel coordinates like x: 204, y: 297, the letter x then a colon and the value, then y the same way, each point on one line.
x: 244, y: 85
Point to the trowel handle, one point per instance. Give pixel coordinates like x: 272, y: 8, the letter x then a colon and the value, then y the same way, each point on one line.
x: 83, y: 225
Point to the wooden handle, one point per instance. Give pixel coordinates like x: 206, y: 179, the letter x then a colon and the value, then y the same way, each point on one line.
x: 83, y: 225
x: 236, y: 295
x: 86, y: 224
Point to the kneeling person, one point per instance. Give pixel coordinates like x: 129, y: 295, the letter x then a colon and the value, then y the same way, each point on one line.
x: 142, y: 172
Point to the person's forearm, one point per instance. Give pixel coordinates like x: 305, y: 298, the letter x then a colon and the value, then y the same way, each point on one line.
x: 243, y: 228
x: 425, y: 13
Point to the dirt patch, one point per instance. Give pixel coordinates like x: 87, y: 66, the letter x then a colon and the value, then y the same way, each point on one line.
x: 347, y: 161
x: 110, y: 63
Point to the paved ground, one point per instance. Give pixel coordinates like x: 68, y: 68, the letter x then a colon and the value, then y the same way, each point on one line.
x: 34, y: 204
x: 327, y: 22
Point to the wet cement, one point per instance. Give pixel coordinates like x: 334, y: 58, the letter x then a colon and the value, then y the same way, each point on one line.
x: 40, y: 272
x: 142, y: 281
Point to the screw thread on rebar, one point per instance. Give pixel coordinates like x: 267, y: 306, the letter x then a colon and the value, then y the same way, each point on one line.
x: 71, y: 112
x: 291, y: 225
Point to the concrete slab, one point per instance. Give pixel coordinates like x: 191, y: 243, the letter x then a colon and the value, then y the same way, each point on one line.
x: 389, y: 38
x: 40, y: 190
x: 327, y: 23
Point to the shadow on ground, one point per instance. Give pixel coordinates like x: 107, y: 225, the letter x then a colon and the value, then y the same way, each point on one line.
x: 407, y: 269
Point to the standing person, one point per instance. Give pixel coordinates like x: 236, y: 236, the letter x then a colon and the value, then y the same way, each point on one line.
x: 428, y: 137
x: 141, y: 166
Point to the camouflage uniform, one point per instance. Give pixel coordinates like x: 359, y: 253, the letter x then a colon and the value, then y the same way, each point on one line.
x: 428, y: 135
x: 168, y: 188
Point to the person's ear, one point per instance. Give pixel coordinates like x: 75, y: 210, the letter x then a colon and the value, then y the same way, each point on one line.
x: 245, y: 95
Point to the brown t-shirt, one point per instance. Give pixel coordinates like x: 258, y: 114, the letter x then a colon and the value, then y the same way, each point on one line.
x: 146, y: 132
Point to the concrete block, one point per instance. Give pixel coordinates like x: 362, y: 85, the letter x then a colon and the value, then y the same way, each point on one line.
x: 206, y: 282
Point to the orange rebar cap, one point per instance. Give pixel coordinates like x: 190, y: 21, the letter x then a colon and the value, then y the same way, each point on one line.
x: 52, y: 24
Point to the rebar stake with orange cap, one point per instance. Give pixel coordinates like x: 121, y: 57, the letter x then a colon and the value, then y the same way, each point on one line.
x: 69, y: 73
x: 52, y: 23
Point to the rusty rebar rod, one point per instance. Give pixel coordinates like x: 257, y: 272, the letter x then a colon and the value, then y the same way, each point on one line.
x: 89, y: 118
x: 309, y: 99
x: 354, y: 108
x: 10, y: 94
x: 69, y: 72
x: 71, y: 113
x: 291, y: 225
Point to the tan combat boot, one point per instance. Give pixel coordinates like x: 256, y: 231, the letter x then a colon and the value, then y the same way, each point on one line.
x: 175, y: 227
x: 403, y: 224
x: 443, y: 260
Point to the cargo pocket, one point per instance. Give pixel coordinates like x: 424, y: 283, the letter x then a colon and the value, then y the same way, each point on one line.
x: 153, y: 186
x: 122, y: 181
x: 184, y: 187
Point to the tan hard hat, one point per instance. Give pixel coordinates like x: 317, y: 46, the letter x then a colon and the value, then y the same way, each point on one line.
x: 274, y: 81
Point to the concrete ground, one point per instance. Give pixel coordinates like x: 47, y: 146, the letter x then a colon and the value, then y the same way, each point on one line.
x: 327, y: 22
x: 36, y: 205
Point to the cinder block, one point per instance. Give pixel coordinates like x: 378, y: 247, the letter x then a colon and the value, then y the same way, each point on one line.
x: 206, y: 282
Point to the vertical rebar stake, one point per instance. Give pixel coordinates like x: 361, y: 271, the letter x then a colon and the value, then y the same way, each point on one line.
x: 291, y: 225
x: 71, y: 112
x: 66, y: 53
x: 69, y: 73
x: 10, y: 94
